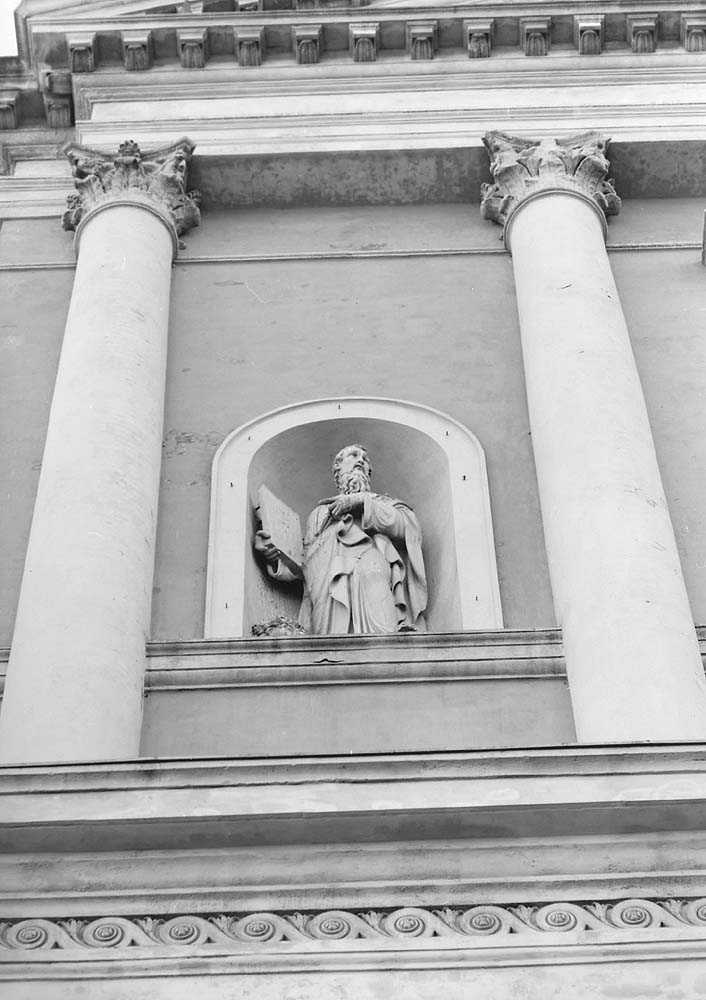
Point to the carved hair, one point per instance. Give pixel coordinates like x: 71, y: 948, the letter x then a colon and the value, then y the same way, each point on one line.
x: 339, y: 458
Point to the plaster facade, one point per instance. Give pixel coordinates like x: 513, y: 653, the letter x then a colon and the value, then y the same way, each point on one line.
x: 510, y: 804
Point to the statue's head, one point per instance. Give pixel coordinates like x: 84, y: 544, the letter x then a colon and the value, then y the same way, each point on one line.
x: 352, y: 469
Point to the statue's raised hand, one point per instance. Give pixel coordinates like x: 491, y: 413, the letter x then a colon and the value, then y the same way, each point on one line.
x: 344, y: 503
x: 264, y: 547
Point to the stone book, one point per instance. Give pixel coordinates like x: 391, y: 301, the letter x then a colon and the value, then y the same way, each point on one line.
x: 283, y: 526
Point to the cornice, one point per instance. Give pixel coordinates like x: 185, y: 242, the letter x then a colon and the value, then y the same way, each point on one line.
x: 64, y: 46
x: 62, y: 19
x: 553, y: 791
x: 442, y: 872
x: 499, y: 641
x: 33, y: 198
x: 218, y: 34
x: 620, y: 760
x: 313, y: 661
x: 441, y: 107
x: 507, y: 15
x: 22, y: 146
x: 560, y: 71
x: 200, y: 665
x: 505, y: 654
x: 360, y: 132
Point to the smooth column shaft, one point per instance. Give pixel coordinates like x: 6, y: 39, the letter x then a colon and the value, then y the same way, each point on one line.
x: 74, y: 684
x: 632, y: 657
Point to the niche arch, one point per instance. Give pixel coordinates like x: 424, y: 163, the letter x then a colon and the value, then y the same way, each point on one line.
x: 419, y: 454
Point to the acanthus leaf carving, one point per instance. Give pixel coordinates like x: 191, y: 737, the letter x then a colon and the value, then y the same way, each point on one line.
x: 522, y: 167
x: 373, y: 918
x: 158, y: 179
x: 448, y: 915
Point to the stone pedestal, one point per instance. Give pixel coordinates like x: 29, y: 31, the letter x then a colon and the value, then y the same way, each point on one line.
x: 632, y: 658
x: 74, y: 683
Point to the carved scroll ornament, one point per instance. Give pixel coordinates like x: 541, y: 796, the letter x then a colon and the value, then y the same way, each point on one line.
x: 159, y: 179
x: 521, y: 167
x: 269, y: 929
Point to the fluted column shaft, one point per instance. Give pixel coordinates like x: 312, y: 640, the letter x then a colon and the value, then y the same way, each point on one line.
x: 632, y: 657
x: 74, y: 684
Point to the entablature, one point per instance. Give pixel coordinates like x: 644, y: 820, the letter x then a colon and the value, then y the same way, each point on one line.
x: 62, y: 48
x: 85, y: 44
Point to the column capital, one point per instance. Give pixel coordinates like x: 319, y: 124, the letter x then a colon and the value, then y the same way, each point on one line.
x: 154, y: 181
x: 523, y: 168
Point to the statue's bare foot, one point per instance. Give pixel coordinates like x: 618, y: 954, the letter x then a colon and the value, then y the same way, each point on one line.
x: 406, y: 627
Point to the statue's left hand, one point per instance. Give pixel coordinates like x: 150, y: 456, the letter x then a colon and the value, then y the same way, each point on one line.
x: 344, y: 503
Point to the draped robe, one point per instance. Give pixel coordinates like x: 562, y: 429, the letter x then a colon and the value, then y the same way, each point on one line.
x: 363, y: 574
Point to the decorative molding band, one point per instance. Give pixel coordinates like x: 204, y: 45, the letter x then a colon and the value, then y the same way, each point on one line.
x: 171, y: 804
x: 525, y: 28
x: 187, y: 40
x: 563, y: 72
x: 268, y: 930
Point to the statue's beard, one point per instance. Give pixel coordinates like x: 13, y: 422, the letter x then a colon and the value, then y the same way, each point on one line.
x: 355, y: 481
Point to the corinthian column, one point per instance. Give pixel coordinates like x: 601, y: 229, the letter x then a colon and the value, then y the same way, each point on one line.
x: 74, y: 682
x: 631, y: 652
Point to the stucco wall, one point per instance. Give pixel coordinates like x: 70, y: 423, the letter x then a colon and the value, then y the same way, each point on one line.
x: 33, y: 305
x: 664, y: 296
x: 250, y: 337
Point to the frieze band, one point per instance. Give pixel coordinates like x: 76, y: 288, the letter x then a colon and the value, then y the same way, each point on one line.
x: 408, y: 923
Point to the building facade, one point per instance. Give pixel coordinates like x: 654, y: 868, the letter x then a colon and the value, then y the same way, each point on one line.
x: 236, y: 238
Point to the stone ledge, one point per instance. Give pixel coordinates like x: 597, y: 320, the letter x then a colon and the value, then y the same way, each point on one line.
x: 355, y: 659
x: 496, y: 871
x: 534, y: 948
x: 54, y: 36
x: 582, y: 761
x: 355, y: 694
x: 153, y: 803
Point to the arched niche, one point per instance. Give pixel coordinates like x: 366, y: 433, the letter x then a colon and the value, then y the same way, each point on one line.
x: 419, y: 455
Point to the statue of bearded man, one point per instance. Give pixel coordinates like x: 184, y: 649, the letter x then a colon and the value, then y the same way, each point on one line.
x: 362, y: 568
